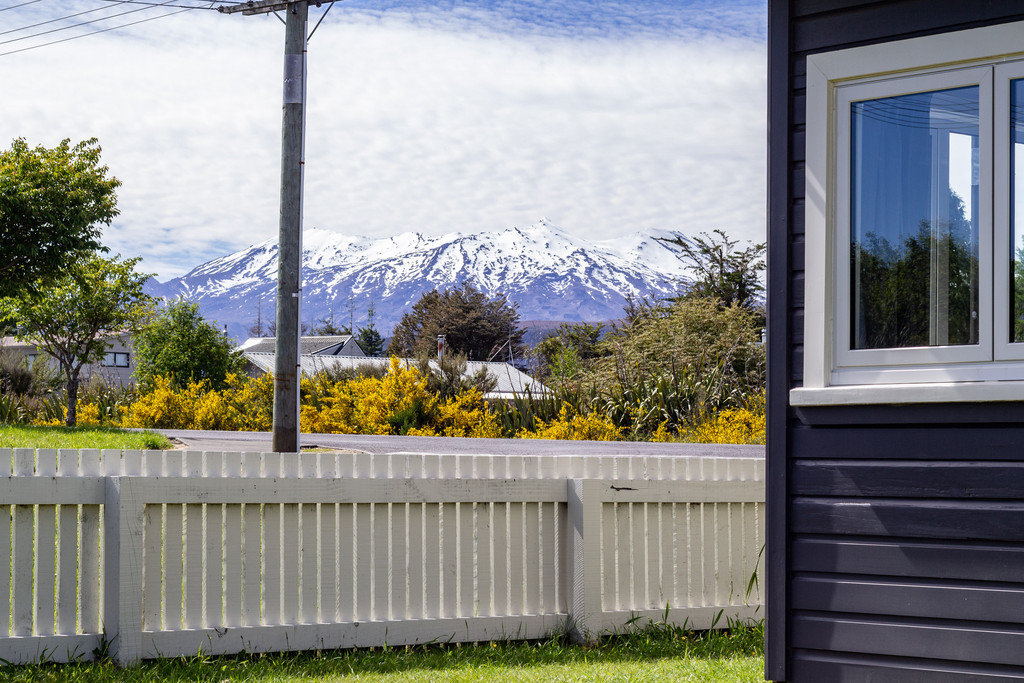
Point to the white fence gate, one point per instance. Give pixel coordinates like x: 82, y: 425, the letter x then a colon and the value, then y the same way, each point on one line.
x: 164, y: 553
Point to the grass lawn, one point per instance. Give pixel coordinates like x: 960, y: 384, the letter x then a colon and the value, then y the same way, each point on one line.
x: 17, y: 436
x: 656, y: 653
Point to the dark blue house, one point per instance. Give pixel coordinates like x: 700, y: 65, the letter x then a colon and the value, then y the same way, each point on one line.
x: 896, y: 341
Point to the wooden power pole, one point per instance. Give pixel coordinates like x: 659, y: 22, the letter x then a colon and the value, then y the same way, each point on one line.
x: 287, y: 369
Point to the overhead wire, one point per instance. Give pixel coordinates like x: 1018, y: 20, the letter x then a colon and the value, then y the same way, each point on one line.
x: 51, y: 21
x: 104, y: 30
x: 30, y: 2
x: 149, y: 4
x: 82, y: 23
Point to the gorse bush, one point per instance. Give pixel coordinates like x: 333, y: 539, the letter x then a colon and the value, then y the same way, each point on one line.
x: 244, y: 404
x: 575, y: 427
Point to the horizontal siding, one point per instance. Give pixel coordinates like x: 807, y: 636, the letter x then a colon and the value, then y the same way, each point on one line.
x: 886, y: 479
x: 933, y: 519
x: 825, y: 25
x: 962, y: 601
x: 907, y: 442
x: 952, y: 560
x: 817, y: 666
x: 961, y: 641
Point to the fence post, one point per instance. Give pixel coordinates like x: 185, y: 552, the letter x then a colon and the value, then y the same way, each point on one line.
x: 122, y: 580
x: 585, y: 604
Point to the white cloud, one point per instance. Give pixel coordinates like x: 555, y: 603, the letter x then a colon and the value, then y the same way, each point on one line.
x: 412, y: 125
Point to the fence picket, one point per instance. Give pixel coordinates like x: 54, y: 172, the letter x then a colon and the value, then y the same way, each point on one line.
x: 517, y: 558
x: 484, y: 554
x: 363, y: 563
x: 534, y: 534
x: 6, y: 550
x: 465, y: 568
x: 449, y: 559
x: 346, y: 561
x: 46, y: 569
x: 432, y: 562
x: 309, y: 562
x: 398, y: 568
x: 415, y: 561
x: 23, y: 575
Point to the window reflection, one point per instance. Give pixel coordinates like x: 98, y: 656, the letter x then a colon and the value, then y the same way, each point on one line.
x: 1016, y: 219
x: 913, y: 232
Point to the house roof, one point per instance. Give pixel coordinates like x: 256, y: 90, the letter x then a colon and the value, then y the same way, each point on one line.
x: 307, y: 345
x: 510, y: 381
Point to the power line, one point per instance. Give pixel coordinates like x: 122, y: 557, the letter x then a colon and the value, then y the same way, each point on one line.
x: 161, y: 4
x: 103, y: 30
x: 51, y: 21
x: 30, y: 2
x: 83, y: 23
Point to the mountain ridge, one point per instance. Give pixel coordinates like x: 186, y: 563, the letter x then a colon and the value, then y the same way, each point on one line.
x: 549, y: 273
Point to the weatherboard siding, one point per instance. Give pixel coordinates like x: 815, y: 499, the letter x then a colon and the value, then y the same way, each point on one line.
x: 895, y: 533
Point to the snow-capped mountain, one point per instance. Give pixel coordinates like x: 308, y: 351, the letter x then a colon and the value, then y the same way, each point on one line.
x: 552, y: 275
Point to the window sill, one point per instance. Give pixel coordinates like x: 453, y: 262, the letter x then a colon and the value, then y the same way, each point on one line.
x: 938, y: 392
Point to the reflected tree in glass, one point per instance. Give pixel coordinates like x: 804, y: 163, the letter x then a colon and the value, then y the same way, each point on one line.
x: 913, y: 220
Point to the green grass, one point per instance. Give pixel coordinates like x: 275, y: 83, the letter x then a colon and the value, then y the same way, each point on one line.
x: 18, y: 436
x: 656, y: 653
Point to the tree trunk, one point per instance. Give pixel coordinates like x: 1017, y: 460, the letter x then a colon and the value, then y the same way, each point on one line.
x: 72, y: 418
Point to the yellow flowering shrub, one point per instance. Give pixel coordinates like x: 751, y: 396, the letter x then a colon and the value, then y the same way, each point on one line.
x: 590, y: 427
x: 466, y: 415
x: 327, y: 408
x: 394, y: 404
x: 738, y: 425
x: 250, y: 402
x: 88, y: 415
x: 166, y: 407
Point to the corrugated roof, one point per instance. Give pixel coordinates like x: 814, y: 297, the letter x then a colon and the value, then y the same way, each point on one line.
x: 306, y: 345
x: 510, y: 381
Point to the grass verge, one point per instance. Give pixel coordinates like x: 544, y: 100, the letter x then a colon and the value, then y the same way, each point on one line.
x: 19, y: 436
x: 654, y: 653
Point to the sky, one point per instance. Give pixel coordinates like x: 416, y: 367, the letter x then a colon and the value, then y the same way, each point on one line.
x: 606, y: 117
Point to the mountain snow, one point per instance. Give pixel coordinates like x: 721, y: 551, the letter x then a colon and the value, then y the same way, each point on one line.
x: 550, y: 274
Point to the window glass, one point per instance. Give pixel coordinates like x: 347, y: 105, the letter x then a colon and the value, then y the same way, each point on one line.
x: 913, y: 220
x: 1017, y: 217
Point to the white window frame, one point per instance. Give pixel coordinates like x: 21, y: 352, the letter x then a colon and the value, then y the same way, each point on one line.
x: 992, y: 370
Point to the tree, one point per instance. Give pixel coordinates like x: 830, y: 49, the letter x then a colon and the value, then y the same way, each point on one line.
x: 721, y: 271
x: 180, y: 344
x: 369, y: 338
x: 71, y: 317
x: 325, y: 327
x: 560, y: 353
x: 473, y: 324
x: 53, y: 203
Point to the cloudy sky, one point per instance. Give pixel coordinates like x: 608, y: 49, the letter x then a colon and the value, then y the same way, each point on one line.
x: 604, y: 116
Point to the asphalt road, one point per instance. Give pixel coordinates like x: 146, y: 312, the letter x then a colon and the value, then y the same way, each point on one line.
x: 260, y: 441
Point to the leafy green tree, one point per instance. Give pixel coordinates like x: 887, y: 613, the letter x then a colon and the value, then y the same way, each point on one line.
x: 721, y: 270
x: 72, y: 316
x: 53, y: 203
x: 180, y: 344
x: 473, y: 324
x: 560, y: 354
x: 369, y: 338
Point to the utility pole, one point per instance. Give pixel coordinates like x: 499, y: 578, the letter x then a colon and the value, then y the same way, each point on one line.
x: 289, y: 258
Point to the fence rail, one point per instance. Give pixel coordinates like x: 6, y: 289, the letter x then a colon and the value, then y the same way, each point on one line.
x: 173, y: 553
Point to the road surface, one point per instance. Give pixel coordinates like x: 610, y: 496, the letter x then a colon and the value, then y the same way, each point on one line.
x: 260, y: 441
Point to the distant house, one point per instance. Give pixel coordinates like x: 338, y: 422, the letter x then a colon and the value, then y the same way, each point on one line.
x: 117, y: 366
x: 336, y: 345
x: 510, y: 381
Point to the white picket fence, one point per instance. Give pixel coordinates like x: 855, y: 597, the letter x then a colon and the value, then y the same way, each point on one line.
x: 164, y: 553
